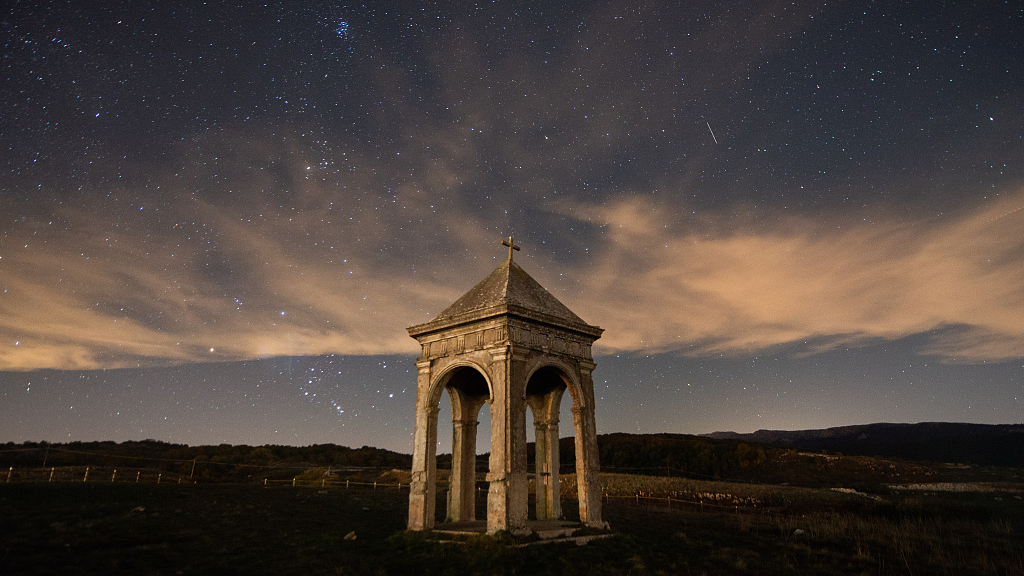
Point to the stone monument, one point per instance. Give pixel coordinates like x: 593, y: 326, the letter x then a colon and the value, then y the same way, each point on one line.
x: 509, y: 343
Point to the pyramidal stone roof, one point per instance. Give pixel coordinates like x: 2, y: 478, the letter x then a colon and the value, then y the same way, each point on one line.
x: 507, y: 290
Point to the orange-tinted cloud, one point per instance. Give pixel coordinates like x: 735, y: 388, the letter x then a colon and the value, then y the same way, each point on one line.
x: 722, y: 284
x: 187, y: 280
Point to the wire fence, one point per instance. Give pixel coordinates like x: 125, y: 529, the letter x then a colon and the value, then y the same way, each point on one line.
x: 311, y: 476
x: 701, y: 502
x: 298, y: 481
x: 94, y: 474
x: 204, y: 462
x: 67, y: 457
x: 108, y: 475
x: 157, y: 470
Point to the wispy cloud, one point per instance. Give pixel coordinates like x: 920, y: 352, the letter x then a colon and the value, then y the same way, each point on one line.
x: 730, y: 284
x: 197, y: 281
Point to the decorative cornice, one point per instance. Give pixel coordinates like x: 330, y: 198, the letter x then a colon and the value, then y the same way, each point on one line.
x: 507, y: 310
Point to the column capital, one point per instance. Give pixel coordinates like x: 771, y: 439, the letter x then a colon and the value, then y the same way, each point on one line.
x: 509, y: 353
x: 545, y: 424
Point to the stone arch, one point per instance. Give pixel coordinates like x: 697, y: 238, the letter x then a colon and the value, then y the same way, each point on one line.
x: 568, y: 371
x: 547, y: 381
x: 545, y: 386
x: 468, y: 385
x: 441, y: 381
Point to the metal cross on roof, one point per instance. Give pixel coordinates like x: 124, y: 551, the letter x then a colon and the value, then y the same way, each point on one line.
x: 511, y: 246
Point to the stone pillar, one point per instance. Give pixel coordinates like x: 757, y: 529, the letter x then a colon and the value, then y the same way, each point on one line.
x: 462, y: 498
x: 553, y: 462
x: 508, y: 494
x: 541, y: 474
x: 587, y: 466
x: 424, y: 467
x: 548, y: 501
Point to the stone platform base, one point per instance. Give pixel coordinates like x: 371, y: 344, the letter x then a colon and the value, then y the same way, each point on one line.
x: 547, y: 531
x: 544, y: 529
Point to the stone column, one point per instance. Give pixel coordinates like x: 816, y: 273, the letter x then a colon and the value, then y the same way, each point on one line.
x: 424, y: 468
x: 462, y: 498
x: 508, y: 494
x: 552, y: 462
x: 546, y: 463
x: 587, y: 466
x: 542, y: 474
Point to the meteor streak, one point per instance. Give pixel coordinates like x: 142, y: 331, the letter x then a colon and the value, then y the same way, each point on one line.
x: 712, y: 131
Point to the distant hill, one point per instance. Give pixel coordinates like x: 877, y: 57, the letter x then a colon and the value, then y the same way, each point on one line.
x: 982, y: 444
x: 676, y: 454
x: 222, y: 463
x: 745, y: 460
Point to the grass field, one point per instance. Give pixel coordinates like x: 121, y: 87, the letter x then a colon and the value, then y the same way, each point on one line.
x: 107, y: 528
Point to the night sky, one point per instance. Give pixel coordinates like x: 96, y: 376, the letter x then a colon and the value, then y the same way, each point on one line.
x: 217, y: 220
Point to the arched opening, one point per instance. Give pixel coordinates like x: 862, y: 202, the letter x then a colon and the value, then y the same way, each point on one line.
x: 468, y: 393
x: 544, y: 391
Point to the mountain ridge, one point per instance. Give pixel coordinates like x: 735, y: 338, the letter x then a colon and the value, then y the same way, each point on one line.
x: 993, y: 444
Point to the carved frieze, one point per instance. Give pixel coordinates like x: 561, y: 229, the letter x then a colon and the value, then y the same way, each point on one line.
x: 541, y: 338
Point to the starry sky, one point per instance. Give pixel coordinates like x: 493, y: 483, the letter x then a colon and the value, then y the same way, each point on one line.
x: 217, y: 219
